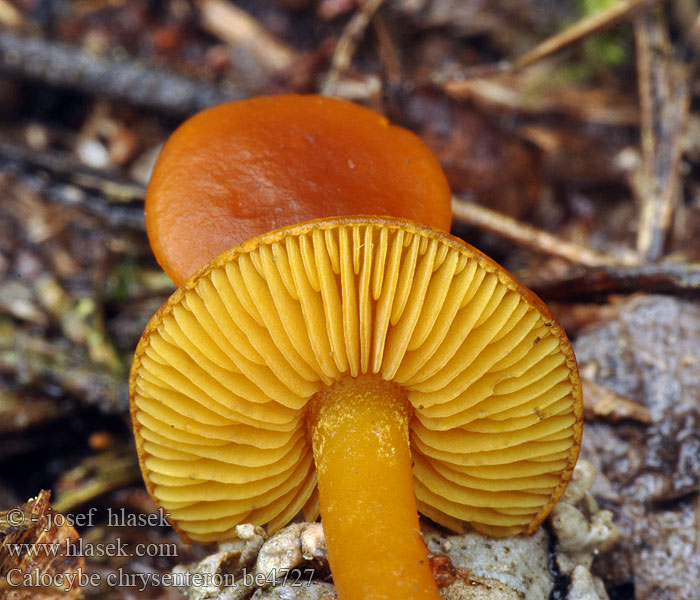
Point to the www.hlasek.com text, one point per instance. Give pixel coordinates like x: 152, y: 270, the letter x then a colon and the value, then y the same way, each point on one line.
x: 80, y: 547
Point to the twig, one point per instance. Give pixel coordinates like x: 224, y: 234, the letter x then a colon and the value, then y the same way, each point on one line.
x: 116, y: 201
x: 601, y: 20
x: 62, y: 166
x: 9, y: 15
x: 236, y: 27
x: 47, y: 365
x: 646, y: 102
x: 126, y: 81
x: 603, y: 403
x: 95, y: 476
x: 388, y: 53
x: 663, y: 278
x: 508, y: 94
x: 80, y: 321
x: 685, y: 15
x: 526, y: 235
x: 347, y: 44
x: 664, y: 97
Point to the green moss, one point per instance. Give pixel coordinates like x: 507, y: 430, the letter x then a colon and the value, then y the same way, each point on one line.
x: 609, y: 49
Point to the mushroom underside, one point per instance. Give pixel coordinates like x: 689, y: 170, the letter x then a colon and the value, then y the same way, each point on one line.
x: 225, y: 371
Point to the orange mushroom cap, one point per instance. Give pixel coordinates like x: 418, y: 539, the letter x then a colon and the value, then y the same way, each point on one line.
x: 244, y: 168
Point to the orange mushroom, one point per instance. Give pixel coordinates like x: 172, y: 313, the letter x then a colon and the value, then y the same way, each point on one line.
x: 390, y: 362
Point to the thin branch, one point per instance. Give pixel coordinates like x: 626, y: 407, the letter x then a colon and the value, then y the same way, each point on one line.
x: 664, y: 97
x: 527, y: 236
x: 508, y: 94
x: 388, y: 53
x: 686, y: 17
x: 603, y: 403
x: 117, y: 201
x: 347, y: 44
x: 646, y: 102
x: 9, y: 15
x: 94, y: 477
x: 601, y: 20
x: 237, y: 28
x: 661, y: 278
x: 127, y: 81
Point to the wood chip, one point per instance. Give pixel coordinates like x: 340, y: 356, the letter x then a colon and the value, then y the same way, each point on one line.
x: 603, y: 403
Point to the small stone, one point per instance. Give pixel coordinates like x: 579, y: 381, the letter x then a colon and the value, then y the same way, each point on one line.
x: 582, y: 531
x: 520, y: 563
x: 315, y: 590
x: 296, y: 546
x: 581, y: 481
x: 585, y: 586
x: 223, y: 571
x: 313, y: 543
x: 479, y: 588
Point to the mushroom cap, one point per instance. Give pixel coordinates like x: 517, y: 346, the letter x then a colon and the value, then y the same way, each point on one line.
x: 225, y: 371
x: 244, y: 168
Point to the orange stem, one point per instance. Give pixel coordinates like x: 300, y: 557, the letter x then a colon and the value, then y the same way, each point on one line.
x: 359, y: 430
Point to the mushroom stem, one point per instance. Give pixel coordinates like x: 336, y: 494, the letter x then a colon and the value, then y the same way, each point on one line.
x: 359, y: 432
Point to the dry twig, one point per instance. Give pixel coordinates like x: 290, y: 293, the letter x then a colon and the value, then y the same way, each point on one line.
x: 64, y: 66
x: 388, y: 53
x: 685, y: 15
x: 664, y: 97
x: 117, y: 201
x: 95, y: 476
x: 603, y: 19
x: 665, y: 278
x: 603, y: 403
x: 526, y: 235
x: 9, y: 15
x: 63, y: 167
x: 237, y: 28
x: 508, y: 93
x: 600, y: 21
x: 347, y: 44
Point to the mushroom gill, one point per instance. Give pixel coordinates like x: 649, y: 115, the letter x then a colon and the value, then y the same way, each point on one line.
x: 224, y: 374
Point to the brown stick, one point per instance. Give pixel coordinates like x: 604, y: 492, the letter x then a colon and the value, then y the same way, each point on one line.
x: 237, y: 28
x: 388, y: 53
x: 602, y: 403
x: 601, y: 20
x: 680, y: 279
x: 506, y: 94
x: 9, y: 15
x: 347, y: 44
x: 664, y: 94
x: 95, y: 476
x: 119, y: 202
x: 526, y: 235
x: 64, y: 66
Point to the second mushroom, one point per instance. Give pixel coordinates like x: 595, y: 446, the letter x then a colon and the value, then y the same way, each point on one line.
x: 364, y: 367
